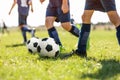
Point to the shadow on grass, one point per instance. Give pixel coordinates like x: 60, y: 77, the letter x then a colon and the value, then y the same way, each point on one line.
x: 110, y: 68
x: 15, y: 45
x: 61, y: 56
x: 68, y: 55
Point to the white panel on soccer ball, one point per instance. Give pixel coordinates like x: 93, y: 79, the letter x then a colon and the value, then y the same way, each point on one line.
x: 32, y: 44
x: 48, y: 48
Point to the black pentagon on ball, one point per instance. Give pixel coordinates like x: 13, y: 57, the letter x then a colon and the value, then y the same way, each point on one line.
x: 57, y: 53
x: 49, y: 48
x: 35, y: 44
x: 30, y: 50
x: 44, y: 39
x: 28, y: 41
x: 39, y: 49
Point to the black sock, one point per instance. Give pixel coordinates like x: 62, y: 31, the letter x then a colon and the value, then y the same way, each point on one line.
x: 118, y: 34
x: 84, y: 34
x: 53, y: 33
x: 25, y: 28
x: 24, y: 35
x: 75, y: 31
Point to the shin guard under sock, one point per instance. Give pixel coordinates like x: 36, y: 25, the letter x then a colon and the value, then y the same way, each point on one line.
x: 74, y: 31
x: 83, y: 37
x: 53, y: 33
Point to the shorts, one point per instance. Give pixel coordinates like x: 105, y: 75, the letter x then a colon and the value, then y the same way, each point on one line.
x: 57, y: 12
x: 100, y: 5
x: 22, y: 19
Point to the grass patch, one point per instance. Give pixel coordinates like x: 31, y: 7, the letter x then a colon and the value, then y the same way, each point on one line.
x: 103, y: 62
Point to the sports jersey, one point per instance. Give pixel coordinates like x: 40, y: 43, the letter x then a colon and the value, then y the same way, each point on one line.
x: 23, y: 7
x: 100, y: 5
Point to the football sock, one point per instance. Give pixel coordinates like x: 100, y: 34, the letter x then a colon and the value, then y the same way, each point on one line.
x: 75, y: 31
x: 118, y: 34
x: 24, y: 35
x: 53, y: 33
x: 84, y: 35
x: 25, y: 28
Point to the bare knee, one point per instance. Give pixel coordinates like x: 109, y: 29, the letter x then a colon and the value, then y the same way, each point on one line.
x: 49, y: 22
x: 66, y: 25
x: 86, y: 17
x: 114, y: 17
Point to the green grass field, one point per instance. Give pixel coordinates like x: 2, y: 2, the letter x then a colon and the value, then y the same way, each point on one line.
x: 103, y: 62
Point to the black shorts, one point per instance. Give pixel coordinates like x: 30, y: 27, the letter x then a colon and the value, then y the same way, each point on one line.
x: 58, y: 13
x: 54, y: 9
x: 100, y: 5
x: 22, y: 19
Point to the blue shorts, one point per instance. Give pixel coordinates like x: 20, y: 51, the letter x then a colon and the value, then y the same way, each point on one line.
x: 22, y: 19
x: 100, y: 5
x: 57, y: 12
x: 55, y: 3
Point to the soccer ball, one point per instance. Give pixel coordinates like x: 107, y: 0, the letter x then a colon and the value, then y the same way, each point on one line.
x: 48, y: 48
x: 32, y: 44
